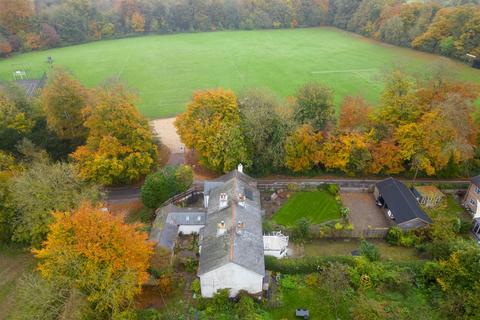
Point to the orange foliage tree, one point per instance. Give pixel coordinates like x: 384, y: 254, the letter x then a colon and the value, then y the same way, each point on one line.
x: 15, y: 15
x: 138, y: 22
x: 99, y: 254
x: 354, y: 114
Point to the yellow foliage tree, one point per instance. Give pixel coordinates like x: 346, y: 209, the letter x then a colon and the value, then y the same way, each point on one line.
x: 97, y: 253
x: 347, y: 152
x: 211, y: 126
x: 302, y: 148
x: 62, y: 100
x: 119, y: 146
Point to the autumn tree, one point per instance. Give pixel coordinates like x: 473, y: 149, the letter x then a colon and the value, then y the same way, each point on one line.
x: 314, y: 105
x: 99, y: 254
x: 426, y: 143
x: 302, y: 148
x: 63, y: 99
x: 398, y: 102
x: 17, y: 118
x: 15, y: 15
x: 211, y: 126
x: 265, y: 128
x: 346, y: 152
x: 119, y: 147
x: 354, y: 114
x: 138, y: 22
x: 41, y: 189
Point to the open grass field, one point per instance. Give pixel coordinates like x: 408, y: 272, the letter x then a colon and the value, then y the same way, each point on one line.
x: 316, y: 206
x: 166, y: 69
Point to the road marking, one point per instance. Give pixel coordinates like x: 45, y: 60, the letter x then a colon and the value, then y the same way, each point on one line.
x: 344, y: 71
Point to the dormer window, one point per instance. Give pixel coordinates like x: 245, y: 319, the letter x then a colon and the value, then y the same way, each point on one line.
x: 223, y: 200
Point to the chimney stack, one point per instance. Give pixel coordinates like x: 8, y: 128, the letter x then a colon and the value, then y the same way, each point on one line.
x: 221, y: 228
x: 240, y: 226
x: 241, y: 200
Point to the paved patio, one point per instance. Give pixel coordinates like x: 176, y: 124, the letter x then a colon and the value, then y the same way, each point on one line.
x: 363, y: 211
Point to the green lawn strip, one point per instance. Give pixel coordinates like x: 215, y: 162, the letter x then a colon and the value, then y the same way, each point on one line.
x: 167, y: 69
x: 316, y: 206
x: 341, y: 247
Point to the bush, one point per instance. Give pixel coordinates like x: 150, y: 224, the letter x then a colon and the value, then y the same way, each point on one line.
x: 344, y: 212
x: 369, y: 251
x: 394, y: 235
x: 302, y: 229
x: 195, y: 287
x: 332, y: 189
x: 163, y: 184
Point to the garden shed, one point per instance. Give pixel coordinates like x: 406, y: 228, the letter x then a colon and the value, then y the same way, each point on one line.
x: 428, y: 196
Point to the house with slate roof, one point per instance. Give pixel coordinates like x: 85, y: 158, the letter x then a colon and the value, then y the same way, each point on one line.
x: 472, y: 197
x: 400, y: 204
x: 231, y: 241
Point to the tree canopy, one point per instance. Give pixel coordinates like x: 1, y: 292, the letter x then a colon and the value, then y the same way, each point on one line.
x: 119, y: 147
x: 97, y: 253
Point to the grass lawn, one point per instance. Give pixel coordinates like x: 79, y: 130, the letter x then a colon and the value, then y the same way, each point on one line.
x: 166, y: 69
x: 449, y: 208
x: 344, y: 247
x: 317, y: 206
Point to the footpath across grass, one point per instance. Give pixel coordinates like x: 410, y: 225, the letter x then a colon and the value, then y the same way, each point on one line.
x: 167, y: 69
x: 317, y: 206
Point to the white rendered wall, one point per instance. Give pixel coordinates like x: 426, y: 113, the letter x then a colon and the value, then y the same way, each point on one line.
x: 275, y: 253
x: 189, y: 229
x: 233, y: 277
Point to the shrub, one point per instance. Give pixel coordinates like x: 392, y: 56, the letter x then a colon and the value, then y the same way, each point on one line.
x: 292, y: 187
x: 332, y: 189
x: 345, y: 212
x: 394, y: 235
x: 302, y: 229
x: 195, y: 287
x: 163, y: 184
x: 369, y: 251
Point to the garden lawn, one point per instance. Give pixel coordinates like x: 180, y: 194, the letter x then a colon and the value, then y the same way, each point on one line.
x: 167, y: 69
x: 317, y: 206
x: 344, y: 247
x: 14, y: 263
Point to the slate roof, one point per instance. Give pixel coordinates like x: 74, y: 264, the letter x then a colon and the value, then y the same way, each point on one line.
x: 476, y: 181
x: 233, y: 187
x: 240, y: 244
x: 185, y: 216
x: 400, y: 201
x: 165, y: 227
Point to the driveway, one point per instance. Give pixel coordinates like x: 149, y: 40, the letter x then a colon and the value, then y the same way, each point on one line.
x: 363, y: 211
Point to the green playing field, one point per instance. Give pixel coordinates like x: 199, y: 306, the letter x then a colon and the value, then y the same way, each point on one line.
x: 165, y: 70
